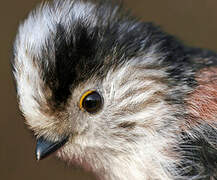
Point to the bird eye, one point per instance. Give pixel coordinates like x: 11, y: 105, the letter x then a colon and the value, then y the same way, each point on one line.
x: 91, y: 101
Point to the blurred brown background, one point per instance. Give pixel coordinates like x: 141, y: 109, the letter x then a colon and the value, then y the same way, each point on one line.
x: 193, y: 21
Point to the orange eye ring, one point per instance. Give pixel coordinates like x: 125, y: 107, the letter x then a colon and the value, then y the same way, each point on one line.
x: 83, y: 97
x: 91, y: 101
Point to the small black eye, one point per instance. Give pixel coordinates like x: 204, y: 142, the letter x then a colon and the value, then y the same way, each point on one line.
x: 91, y: 101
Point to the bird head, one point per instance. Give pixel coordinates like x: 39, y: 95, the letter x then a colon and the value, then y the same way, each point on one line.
x: 96, y: 86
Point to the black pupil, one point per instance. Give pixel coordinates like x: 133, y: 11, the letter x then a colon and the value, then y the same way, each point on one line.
x: 92, y: 102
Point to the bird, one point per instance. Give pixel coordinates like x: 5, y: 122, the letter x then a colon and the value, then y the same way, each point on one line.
x: 104, y: 90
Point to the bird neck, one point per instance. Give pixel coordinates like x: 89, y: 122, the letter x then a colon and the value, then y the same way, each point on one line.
x: 139, y: 164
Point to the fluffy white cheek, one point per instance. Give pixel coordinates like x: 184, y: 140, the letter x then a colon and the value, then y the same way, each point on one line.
x: 73, y: 156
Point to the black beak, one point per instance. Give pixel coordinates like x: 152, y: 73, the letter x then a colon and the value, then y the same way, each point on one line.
x: 45, y: 147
